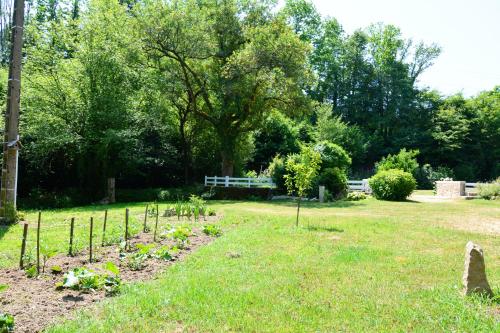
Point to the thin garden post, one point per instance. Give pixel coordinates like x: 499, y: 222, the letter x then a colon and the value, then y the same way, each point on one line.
x: 90, y: 239
x: 71, y: 233
x: 23, y: 245
x: 104, y: 227
x: 156, y: 223
x: 38, y: 243
x: 145, y: 219
x: 126, y: 228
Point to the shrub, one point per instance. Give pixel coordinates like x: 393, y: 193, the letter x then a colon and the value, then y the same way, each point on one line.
x: 355, y: 196
x: 332, y: 155
x: 334, y: 180
x: 277, y: 172
x: 405, y: 160
x: 395, y: 185
x: 427, y: 176
x: 490, y: 191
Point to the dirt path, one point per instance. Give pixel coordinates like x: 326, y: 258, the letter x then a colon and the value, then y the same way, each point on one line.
x: 35, y: 303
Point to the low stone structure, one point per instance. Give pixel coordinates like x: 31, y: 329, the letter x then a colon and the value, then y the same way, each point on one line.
x: 474, y: 278
x: 450, y: 189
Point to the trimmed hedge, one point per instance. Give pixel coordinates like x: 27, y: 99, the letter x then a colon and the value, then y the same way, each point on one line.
x: 393, y: 184
x: 239, y: 193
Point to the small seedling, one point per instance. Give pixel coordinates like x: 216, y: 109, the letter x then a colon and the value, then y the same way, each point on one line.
x: 56, y: 270
x: 3, y: 287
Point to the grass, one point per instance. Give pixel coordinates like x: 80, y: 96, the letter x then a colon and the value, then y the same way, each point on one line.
x: 350, y: 266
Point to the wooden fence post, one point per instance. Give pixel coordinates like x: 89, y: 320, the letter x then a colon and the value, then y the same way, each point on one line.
x: 104, y: 227
x: 156, y: 224
x: 71, y: 232
x: 23, y: 246
x: 126, y: 228
x: 90, y: 239
x: 38, y: 243
x: 145, y: 227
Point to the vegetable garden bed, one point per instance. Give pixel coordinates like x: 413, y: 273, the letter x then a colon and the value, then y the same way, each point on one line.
x: 36, y: 303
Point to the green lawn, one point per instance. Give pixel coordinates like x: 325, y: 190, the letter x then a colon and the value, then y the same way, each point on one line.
x: 350, y: 267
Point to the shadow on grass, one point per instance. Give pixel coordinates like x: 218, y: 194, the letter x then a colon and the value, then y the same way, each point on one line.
x: 327, y: 229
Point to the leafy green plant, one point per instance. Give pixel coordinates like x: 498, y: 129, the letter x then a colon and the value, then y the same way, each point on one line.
x: 112, y: 282
x: 179, y: 209
x: 301, y: 170
x: 83, y: 279
x: 136, y: 261
x: 31, y: 272
x: 490, y: 191
x: 211, y: 212
x: 3, y: 287
x: 394, y: 185
x: 163, y: 253
x: 212, y: 230
x: 6, y: 323
x: 46, y: 253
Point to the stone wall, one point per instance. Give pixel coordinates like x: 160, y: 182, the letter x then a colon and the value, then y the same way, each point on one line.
x: 450, y: 189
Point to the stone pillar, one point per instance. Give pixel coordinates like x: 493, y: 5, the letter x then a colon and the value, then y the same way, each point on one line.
x: 321, y: 194
x: 111, y: 190
x: 474, y: 278
x: 450, y: 189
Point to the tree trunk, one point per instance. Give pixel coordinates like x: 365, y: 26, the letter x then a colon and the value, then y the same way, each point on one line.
x: 298, y: 210
x: 227, y: 164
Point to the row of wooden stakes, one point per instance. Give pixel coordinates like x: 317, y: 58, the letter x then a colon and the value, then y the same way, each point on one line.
x: 91, y: 236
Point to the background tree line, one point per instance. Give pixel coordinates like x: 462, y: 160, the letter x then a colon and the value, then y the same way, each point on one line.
x: 161, y: 93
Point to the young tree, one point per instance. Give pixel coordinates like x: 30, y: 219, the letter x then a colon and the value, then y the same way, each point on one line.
x: 301, y: 170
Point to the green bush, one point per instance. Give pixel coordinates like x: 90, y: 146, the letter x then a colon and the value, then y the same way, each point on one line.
x: 426, y: 175
x: 277, y: 172
x: 334, y: 180
x: 394, y: 185
x: 332, y: 155
x: 490, y: 191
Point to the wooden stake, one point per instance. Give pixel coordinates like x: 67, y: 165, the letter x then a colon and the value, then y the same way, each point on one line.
x: 71, y: 232
x: 145, y: 219
x: 104, y: 227
x: 156, y: 224
x: 23, y: 245
x: 90, y: 240
x: 38, y: 243
x: 126, y: 228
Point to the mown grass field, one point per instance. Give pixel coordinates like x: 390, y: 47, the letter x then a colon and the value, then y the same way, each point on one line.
x: 367, y: 266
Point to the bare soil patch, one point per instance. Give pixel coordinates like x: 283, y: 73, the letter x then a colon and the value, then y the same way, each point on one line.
x: 35, y: 303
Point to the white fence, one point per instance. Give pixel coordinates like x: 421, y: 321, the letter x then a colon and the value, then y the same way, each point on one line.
x: 239, y: 182
x: 359, y: 186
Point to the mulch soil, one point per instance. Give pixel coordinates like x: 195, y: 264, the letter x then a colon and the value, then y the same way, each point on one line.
x: 35, y: 303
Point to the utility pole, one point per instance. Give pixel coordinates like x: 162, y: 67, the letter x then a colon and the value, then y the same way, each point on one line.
x: 8, y: 191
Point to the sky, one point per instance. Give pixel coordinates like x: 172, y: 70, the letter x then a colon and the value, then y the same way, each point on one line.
x: 468, y: 31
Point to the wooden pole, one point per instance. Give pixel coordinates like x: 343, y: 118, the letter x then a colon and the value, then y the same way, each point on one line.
x: 71, y: 232
x: 38, y: 243
x: 104, y: 227
x: 90, y: 239
x: 23, y: 246
x: 156, y: 223
x: 8, y: 191
x: 145, y: 219
x: 126, y: 228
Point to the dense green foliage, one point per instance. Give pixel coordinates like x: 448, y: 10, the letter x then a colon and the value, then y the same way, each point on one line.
x: 162, y: 93
x: 394, y: 184
x: 490, y: 191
